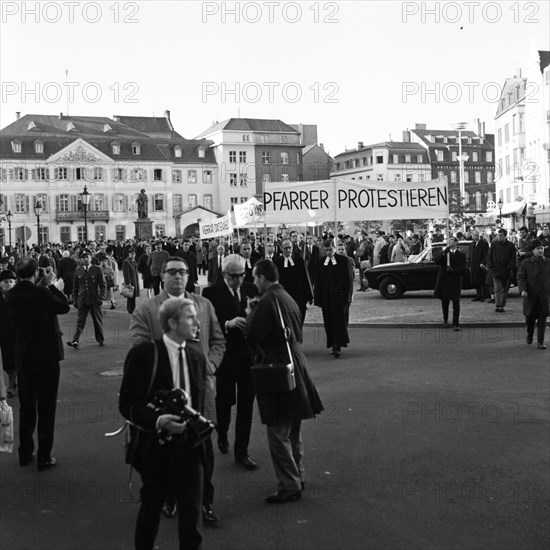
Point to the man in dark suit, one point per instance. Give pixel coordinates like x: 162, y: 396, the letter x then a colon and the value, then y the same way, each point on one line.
x: 215, y: 266
x: 478, y: 254
x: 191, y: 260
x: 34, y: 304
x: 293, y: 277
x: 173, y: 464
x: 448, y: 286
x: 311, y: 257
x: 332, y: 295
x: 131, y: 277
x: 534, y: 287
x: 250, y: 258
x: 89, y: 291
x: 229, y: 299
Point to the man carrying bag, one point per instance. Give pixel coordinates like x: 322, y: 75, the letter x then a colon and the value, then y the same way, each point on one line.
x: 281, y: 409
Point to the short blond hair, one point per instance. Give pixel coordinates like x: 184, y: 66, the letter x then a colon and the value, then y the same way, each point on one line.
x: 171, y: 309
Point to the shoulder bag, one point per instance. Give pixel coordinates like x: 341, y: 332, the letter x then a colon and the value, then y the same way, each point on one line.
x: 275, y: 377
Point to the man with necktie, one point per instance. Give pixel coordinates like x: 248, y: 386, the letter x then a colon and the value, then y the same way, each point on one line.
x: 250, y: 258
x: 331, y: 291
x: 174, y: 464
x: 89, y: 290
x: 534, y: 287
x: 478, y: 275
x: 234, y: 383
x: 293, y: 277
x: 215, y: 266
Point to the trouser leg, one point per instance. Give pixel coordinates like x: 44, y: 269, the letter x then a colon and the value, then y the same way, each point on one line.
x: 27, y: 414
x: 81, y: 314
x: 243, y: 422
x: 97, y: 318
x: 456, y: 312
x: 445, y: 309
x: 280, y: 447
x: 46, y: 405
x: 225, y: 399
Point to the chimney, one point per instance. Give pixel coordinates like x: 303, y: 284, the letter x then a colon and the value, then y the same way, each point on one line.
x: 518, y: 73
x: 482, y: 130
x: 167, y: 114
x: 17, y: 115
x: 322, y: 146
x: 419, y: 126
x: 477, y: 125
x: 116, y: 118
x: 406, y: 136
x: 359, y: 145
x: 60, y: 116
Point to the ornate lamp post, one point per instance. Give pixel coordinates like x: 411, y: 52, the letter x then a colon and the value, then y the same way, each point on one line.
x: 85, y: 198
x: 38, y: 208
x: 461, y: 159
x: 9, y: 217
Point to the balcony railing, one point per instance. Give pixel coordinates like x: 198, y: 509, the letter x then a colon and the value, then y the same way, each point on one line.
x: 78, y: 215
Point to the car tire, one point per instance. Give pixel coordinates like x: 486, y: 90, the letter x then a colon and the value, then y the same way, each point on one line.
x: 391, y: 288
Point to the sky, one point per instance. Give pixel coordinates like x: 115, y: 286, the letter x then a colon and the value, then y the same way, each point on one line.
x: 360, y: 70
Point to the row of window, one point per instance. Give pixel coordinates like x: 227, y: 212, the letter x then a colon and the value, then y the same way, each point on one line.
x: 452, y: 175
x: 518, y: 127
x: 266, y: 157
x: 97, y: 173
x: 17, y: 147
x: 24, y: 204
x: 407, y: 159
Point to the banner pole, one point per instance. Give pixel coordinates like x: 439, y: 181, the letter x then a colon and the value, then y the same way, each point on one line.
x: 265, y: 222
x: 335, y: 211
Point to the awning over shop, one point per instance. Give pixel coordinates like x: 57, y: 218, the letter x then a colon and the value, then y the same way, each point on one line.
x: 516, y: 207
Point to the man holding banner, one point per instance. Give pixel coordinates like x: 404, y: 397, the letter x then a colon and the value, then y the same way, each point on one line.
x: 332, y: 291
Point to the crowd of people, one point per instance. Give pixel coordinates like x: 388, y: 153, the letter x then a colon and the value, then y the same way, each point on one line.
x: 252, y: 312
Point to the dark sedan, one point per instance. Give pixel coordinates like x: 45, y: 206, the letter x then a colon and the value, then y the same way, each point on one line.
x: 419, y: 273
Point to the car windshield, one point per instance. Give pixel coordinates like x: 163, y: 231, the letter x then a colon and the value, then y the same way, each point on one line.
x: 430, y: 254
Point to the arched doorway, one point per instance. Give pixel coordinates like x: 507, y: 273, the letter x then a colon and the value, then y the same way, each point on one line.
x: 191, y: 230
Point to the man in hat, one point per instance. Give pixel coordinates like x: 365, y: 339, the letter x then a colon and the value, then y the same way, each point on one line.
x: 534, y: 287
x: 89, y: 289
x: 131, y: 277
x: 154, y: 263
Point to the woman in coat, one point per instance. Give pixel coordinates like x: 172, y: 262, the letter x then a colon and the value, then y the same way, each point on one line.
x: 131, y: 277
x: 448, y: 286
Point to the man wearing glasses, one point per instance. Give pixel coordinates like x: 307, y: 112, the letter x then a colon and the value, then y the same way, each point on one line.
x: 145, y: 326
x: 233, y: 378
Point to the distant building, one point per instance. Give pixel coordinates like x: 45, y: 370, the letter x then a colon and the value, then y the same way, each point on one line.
x: 479, y: 169
x: 317, y: 163
x: 251, y: 151
x: 49, y: 159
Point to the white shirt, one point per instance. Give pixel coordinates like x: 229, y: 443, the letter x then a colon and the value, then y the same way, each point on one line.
x: 288, y: 261
x: 332, y: 260
x: 247, y: 264
x: 173, y: 355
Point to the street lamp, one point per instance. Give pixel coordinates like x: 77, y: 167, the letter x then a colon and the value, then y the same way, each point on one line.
x: 500, y: 204
x: 38, y: 208
x: 9, y: 217
x: 461, y: 159
x: 85, y: 198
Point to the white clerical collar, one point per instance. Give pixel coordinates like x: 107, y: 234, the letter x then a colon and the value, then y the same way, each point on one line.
x: 332, y: 260
x: 289, y: 261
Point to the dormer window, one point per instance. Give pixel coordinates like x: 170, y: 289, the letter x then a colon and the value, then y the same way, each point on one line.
x: 70, y: 126
x: 200, y: 151
x: 107, y: 128
x: 177, y: 151
x: 283, y: 139
x: 31, y: 126
x: 116, y: 148
x: 38, y: 146
x: 16, y: 146
x: 136, y: 148
x: 246, y: 137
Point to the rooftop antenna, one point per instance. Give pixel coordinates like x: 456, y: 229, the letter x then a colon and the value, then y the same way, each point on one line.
x: 66, y: 80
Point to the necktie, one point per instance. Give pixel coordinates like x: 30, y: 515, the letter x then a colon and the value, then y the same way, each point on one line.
x: 180, y: 366
x: 237, y: 302
x: 220, y: 262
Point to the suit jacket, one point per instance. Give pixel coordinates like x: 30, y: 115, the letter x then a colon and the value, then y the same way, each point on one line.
x: 190, y: 259
x: 248, y: 278
x: 236, y: 355
x: 295, y: 280
x: 478, y: 255
x: 133, y: 400
x: 449, y: 283
x: 89, y: 286
x: 534, y: 278
x: 311, y: 260
x: 214, y: 271
x: 264, y: 333
x: 33, y: 310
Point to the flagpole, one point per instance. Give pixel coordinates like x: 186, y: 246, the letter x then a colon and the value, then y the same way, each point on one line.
x: 335, y: 211
x: 265, y: 222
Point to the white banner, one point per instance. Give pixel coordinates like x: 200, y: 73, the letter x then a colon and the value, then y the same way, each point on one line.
x: 249, y: 212
x: 350, y: 200
x: 216, y: 228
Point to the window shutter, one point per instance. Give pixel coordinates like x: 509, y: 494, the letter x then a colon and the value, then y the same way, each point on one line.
x: 163, y: 174
x: 144, y: 174
x: 151, y: 203
x: 125, y: 203
x: 27, y: 198
x: 57, y: 200
x: 10, y: 173
x: 73, y: 203
x: 4, y: 174
x: 33, y: 174
x: 164, y: 198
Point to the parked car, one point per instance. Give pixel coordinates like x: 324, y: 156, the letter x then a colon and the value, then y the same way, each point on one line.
x: 417, y: 273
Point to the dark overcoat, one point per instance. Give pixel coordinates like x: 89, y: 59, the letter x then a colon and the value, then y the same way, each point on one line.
x: 449, y: 282
x: 295, y: 280
x: 534, y: 278
x: 264, y: 333
x: 130, y: 274
x: 478, y: 255
x: 34, y: 311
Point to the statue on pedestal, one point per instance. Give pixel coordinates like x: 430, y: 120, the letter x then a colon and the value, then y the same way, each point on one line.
x: 143, y: 204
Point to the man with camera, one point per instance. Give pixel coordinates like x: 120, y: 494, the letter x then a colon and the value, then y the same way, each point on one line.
x: 171, y: 462
x: 33, y: 305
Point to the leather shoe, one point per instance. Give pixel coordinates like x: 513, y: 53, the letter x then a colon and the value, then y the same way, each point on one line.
x: 170, y: 509
x: 208, y: 515
x: 46, y: 465
x: 247, y: 462
x: 101, y: 343
x: 337, y: 354
x: 476, y: 299
x: 73, y: 343
x: 456, y: 328
x: 223, y: 444
x: 491, y: 301
x: 529, y: 339
x: 445, y: 324
x: 540, y: 345
x: 281, y: 498
x: 25, y: 460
